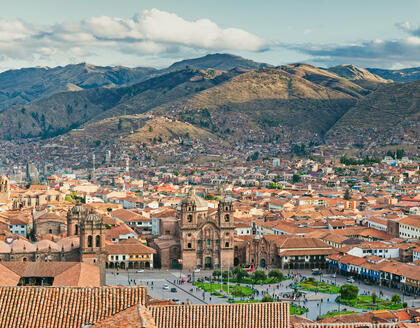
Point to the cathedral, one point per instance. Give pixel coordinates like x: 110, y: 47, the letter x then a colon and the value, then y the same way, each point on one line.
x: 203, y: 237
x: 85, y: 242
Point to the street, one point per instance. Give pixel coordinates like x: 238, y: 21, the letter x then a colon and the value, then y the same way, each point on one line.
x: 317, y: 303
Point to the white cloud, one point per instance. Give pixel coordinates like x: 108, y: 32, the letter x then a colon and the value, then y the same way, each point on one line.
x: 149, y: 32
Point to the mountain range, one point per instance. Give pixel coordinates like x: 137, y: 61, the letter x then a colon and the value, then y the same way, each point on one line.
x: 208, y: 97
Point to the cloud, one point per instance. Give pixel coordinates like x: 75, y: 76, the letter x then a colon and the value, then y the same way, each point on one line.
x: 149, y: 32
x: 373, y: 53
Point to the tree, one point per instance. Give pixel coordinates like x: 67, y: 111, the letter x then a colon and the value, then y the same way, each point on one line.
x: 258, y: 275
x: 347, y: 195
x: 225, y: 274
x: 267, y: 298
x: 239, y: 273
x: 277, y: 274
x: 120, y: 124
x: 374, y: 297
x: 349, y: 292
x: 216, y: 273
x: 396, y: 298
x: 150, y: 128
x: 296, y: 178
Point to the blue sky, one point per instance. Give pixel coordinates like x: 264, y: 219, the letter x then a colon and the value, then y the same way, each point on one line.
x: 156, y: 33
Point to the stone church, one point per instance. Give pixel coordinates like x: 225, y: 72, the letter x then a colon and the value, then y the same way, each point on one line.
x: 203, y: 238
x: 85, y: 242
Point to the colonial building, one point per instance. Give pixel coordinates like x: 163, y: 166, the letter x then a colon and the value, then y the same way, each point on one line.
x: 85, y: 242
x: 203, y: 237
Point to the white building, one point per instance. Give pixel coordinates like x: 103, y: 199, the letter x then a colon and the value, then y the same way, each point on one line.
x: 410, y: 227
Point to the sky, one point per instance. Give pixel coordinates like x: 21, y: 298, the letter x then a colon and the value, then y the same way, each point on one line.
x: 368, y: 33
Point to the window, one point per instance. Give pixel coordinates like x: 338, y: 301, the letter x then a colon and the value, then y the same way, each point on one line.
x: 227, y: 218
x: 208, y: 242
x: 226, y: 208
x: 189, y: 218
x: 227, y: 233
x: 116, y: 257
x: 50, y: 231
x: 227, y: 244
x: 199, y: 242
x: 90, y: 241
x: 98, y: 241
x: 189, y: 235
x: 189, y: 245
x: 217, y: 241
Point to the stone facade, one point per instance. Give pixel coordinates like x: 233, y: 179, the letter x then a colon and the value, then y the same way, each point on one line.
x: 204, y: 238
x: 4, y: 189
x: 86, y: 244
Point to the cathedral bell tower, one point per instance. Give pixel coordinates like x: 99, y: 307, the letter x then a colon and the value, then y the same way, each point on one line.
x: 227, y: 232
x: 92, y: 240
x: 74, y: 217
x: 4, y: 189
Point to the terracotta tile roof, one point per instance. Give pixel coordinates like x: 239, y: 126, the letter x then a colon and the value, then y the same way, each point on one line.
x: 129, y: 246
x: 74, y: 274
x: 255, y: 315
x: 70, y: 307
x: 133, y: 317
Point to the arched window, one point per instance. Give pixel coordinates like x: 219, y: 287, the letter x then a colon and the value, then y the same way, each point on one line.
x: 90, y: 241
x: 189, y: 218
x: 227, y: 244
x: 227, y: 208
x: 76, y: 229
x: 189, y: 245
x: 98, y: 241
x: 227, y: 218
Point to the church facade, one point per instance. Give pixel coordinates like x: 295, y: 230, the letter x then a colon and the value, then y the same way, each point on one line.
x: 204, y: 237
x: 85, y: 242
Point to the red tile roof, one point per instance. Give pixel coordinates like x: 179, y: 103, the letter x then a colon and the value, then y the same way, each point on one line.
x: 70, y: 307
x: 255, y: 315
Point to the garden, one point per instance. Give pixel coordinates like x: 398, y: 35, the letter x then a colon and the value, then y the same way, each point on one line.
x: 349, y: 295
x: 318, y: 286
x: 239, y: 275
x: 231, y: 290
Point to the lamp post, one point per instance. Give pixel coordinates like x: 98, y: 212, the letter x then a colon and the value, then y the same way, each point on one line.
x: 180, y: 267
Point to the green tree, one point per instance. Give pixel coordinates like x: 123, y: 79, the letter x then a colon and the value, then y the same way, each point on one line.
x: 259, y: 275
x: 374, y: 297
x: 216, y: 273
x: 349, y: 292
x: 347, y: 195
x: 296, y: 178
x: 267, y: 298
x: 400, y: 153
x: 396, y: 299
x: 120, y: 124
x: 226, y: 274
x: 239, y: 273
x: 150, y: 128
x: 277, y: 274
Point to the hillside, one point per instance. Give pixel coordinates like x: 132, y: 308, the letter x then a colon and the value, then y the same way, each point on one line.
x: 161, y: 129
x: 358, y: 75
x: 390, y: 105
x: 325, y: 78
x: 216, y: 61
x: 265, y: 98
x: 19, y: 87
x: 64, y: 111
x: 397, y: 75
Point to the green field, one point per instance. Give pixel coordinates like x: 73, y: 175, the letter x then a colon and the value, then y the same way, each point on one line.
x: 234, y: 290
x: 365, y: 302
x: 335, y: 313
x: 320, y: 287
x: 294, y: 309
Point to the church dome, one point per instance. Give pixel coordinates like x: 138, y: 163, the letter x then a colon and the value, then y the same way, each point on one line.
x: 78, y: 208
x: 193, y: 200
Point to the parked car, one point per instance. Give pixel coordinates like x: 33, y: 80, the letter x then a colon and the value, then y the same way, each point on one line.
x: 367, y: 282
x: 197, y: 270
x: 173, y: 290
x: 175, y: 300
x: 333, y: 275
x: 350, y: 280
x: 165, y: 287
x: 140, y: 271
